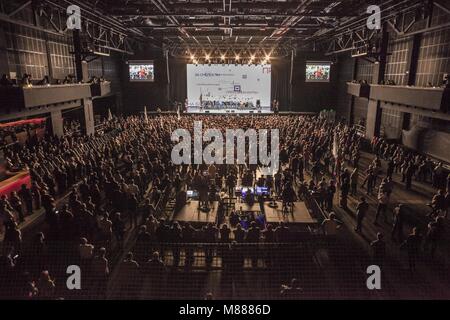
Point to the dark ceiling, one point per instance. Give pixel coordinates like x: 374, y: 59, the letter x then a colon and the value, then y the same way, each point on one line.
x: 222, y: 27
x: 234, y: 25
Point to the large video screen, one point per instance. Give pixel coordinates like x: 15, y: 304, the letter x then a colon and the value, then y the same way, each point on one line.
x: 229, y: 85
x: 141, y: 71
x: 318, y: 71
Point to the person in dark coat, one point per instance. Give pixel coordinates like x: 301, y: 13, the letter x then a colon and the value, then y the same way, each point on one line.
x: 397, y: 225
x: 361, y: 211
x: 412, y: 245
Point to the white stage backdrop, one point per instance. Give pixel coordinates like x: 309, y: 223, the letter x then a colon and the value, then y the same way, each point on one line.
x: 225, y: 83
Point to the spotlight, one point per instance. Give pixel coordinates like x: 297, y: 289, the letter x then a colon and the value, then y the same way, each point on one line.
x: 222, y: 57
x: 192, y: 57
x: 252, y: 57
x: 267, y: 57
x: 237, y: 57
x: 207, y: 57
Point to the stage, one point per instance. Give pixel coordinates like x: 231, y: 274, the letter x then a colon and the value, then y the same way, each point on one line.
x: 191, y: 213
x: 300, y: 215
x: 196, y: 110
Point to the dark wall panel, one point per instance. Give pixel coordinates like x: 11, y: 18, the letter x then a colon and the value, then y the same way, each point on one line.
x: 360, y: 110
x: 364, y: 70
x: 434, y: 54
x: 345, y: 74
x: 309, y: 96
x: 151, y: 94
x: 396, y: 65
x: 391, y: 123
x: 26, y: 52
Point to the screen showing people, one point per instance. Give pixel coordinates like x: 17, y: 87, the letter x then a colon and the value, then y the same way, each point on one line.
x: 318, y: 71
x: 141, y: 71
x: 219, y: 86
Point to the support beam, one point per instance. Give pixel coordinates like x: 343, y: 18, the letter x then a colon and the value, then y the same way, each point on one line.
x: 351, y: 118
x: 4, y: 68
x: 374, y: 110
x: 88, y: 108
x: 412, y: 58
x: 78, y: 54
x: 57, y: 123
x: 26, y: 4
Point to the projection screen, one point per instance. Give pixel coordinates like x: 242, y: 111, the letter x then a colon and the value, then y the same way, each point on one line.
x: 218, y: 83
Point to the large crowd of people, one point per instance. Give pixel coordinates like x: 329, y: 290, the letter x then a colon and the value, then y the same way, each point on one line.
x: 96, y: 191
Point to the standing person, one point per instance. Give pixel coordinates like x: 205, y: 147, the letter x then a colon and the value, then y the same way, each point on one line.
x: 383, y: 200
x: 231, y: 184
x: 100, y: 273
x: 433, y: 235
x: 17, y: 205
x: 361, y: 211
x: 379, y: 250
x: 129, y: 276
x: 397, y: 225
x: 211, y: 234
x: 253, y: 235
x: 330, y: 191
x: 155, y: 268
x: 225, y: 233
x: 46, y: 286
x: 315, y: 171
x: 331, y: 225
x: 133, y: 210
x: 354, y: 182
x: 27, y: 198
x: 370, y: 181
x: 36, y: 193
x: 409, y: 174
x: 412, y: 245
x: 239, y: 234
x: 345, y: 188
x: 390, y: 168
x: 118, y: 228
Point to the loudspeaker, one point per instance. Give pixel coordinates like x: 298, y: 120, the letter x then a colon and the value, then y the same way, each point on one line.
x: 251, y: 111
x: 206, y: 111
x: 258, y: 103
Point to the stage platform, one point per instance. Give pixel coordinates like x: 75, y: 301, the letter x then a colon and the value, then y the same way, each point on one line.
x: 264, y: 110
x: 300, y: 215
x: 281, y: 113
x: 191, y: 213
x: 248, y: 208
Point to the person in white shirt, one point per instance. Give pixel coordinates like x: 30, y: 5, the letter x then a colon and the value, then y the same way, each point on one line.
x: 331, y: 225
